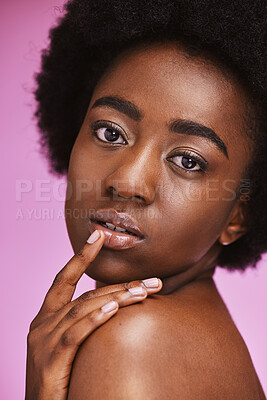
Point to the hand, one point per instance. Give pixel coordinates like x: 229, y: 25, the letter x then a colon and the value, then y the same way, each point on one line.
x: 62, y: 325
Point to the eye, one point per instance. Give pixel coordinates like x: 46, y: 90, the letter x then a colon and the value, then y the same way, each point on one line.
x: 108, y: 132
x: 189, y: 162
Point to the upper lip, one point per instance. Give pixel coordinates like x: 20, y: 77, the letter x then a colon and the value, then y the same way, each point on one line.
x: 120, y: 219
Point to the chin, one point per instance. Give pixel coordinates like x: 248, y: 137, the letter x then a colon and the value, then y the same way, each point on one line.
x: 111, y: 271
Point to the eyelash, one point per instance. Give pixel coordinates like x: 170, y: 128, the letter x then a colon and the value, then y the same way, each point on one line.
x: 95, y: 126
x: 203, y: 165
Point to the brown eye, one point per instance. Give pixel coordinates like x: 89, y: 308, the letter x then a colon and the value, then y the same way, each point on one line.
x: 110, y: 135
x: 188, y: 163
x: 107, y: 133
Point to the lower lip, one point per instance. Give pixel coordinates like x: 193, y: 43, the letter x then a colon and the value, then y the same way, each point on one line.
x: 116, y: 240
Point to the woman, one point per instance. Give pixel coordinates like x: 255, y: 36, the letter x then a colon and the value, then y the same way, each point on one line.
x: 166, y: 176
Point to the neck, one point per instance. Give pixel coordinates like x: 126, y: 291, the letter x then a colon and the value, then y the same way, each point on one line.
x: 203, y: 269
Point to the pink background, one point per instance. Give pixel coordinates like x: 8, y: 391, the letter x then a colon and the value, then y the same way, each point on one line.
x: 34, y: 237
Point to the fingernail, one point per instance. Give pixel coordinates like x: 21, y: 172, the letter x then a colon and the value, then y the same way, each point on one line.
x: 109, y: 306
x: 151, y: 282
x: 93, y: 238
x: 137, y: 291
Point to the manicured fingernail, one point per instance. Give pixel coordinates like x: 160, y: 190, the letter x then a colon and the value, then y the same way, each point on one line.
x: 93, y: 238
x: 151, y: 282
x: 109, y: 306
x: 137, y: 291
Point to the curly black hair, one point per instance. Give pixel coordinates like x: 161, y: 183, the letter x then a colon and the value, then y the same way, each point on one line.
x: 93, y: 32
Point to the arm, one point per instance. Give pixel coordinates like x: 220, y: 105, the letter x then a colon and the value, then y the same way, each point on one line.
x: 144, y: 353
x: 130, y: 358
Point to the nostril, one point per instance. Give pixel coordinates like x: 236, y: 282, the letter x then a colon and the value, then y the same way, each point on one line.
x: 115, y: 193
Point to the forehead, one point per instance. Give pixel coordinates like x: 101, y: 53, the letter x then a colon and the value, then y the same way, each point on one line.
x: 166, y: 82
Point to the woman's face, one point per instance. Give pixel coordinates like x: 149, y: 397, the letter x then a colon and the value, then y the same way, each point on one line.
x: 163, y: 141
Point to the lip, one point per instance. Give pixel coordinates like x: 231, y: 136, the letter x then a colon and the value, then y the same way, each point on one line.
x: 122, y: 220
x: 117, y: 240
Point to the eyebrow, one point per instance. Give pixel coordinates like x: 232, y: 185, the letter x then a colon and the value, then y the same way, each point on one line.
x: 121, y: 105
x: 193, y: 128
x: 182, y: 126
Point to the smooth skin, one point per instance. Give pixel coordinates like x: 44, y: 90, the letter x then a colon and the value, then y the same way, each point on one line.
x: 62, y: 325
x: 186, y: 215
x: 180, y: 343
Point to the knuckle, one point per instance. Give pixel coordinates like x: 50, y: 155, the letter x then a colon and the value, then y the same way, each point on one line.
x: 116, y: 296
x: 73, y: 312
x: 59, y: 278
x: 129, y: 285
x: 32, y: 325
x: 87, y: 296
x: 30, y: 339
x: 36, y: 321
x: 80, y: 255
x: 125, y: 285
x: 133, y: 284
x: 93, y: 318
x: 67, y: 339
x: 33, y: 337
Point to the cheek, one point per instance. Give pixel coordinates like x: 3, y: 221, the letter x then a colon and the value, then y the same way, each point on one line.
x: 83, y: 173
x: 193, y: 221
x: 86, y: 191
x: 80, y: 186
x: 187, y: 216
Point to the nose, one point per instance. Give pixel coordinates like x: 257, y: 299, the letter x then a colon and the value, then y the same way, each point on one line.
x: 135, y: 175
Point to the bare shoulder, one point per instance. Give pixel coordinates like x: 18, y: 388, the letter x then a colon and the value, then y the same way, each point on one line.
x: 184, y: 346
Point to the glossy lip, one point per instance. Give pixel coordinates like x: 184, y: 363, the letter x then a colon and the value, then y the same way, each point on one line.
x: 116, y: 240
x: 121, y: 220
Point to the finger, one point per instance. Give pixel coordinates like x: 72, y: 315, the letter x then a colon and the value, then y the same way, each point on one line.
x: 64, y: 284
x: 152, y: 285
x: 80, y: 310
x: 71, y: 339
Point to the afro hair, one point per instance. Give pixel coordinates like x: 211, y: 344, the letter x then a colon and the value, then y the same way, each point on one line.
x: 92, y: 33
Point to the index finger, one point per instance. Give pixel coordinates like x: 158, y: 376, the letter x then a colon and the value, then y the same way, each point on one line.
x: 63, y: 287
